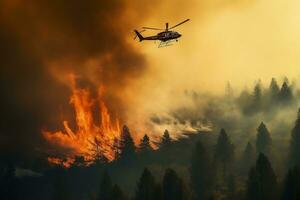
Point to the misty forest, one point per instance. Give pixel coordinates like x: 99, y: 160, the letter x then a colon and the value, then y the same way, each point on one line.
x: 240, y: 145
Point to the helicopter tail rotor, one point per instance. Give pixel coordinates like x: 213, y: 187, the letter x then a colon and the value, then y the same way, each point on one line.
x: 139, y: 35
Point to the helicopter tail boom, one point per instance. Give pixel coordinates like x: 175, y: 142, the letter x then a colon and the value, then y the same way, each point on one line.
x: 139, y: 35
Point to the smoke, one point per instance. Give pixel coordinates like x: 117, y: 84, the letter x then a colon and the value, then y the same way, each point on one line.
x: 42, y: 42
x: 236, y: 41
x: 237, y: 111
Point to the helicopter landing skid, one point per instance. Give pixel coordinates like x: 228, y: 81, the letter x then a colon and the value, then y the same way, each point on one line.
x: 165, y: 44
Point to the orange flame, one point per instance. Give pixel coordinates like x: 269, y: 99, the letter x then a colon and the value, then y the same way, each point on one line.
x: 91, y: 140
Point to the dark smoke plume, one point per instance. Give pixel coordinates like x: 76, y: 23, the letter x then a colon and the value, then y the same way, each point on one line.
x: 46, y: 39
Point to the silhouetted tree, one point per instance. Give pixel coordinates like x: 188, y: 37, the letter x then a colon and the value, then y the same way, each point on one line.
x: 146, y: 187
x: 291, y: 188
x: 244, y: 102
x: 116, y: 148
x: 253, y: 190
x: 263, y: 140
x: 145, y: 145
x: 201, y: 173
x: 79, y: 161
x: 257, y: 97
x: 267, y: 177
x: 231, y: 188
x: 294, y: 157
x: 173, y: 187
x: 274, y: 88
x: 126, y: 146
x: 105, y: 192
x: 166, y: 140
x: 273, y: 91
x: 248, y: 158
x: 97, y: 152
x: 262, y: 183
x: 285, y: 94
x: 224, y: 153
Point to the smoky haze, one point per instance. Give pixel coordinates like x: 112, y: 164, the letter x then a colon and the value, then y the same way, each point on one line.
x: 43, y: 41
x: 237, y: 41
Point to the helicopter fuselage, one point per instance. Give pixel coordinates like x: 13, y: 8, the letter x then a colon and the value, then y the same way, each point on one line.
x: 164, y: 36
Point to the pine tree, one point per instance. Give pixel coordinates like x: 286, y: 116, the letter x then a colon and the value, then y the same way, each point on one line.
x: 257, y: 97
x: 224, y: 153
x: 253, y: 190
x: 262, y: 183
x: 231, y: 187
x: 105, y: 192
x: 244, y: 102
x: 291, y: 188
x: 173, y: 187
x: 146, y: 187
x: 248, y: 158
x: 80, y: 162
x: 273, y: 91
x: 116, y: 148
x: 263, y: 140
x: 285, y: 94
x: 145, y: 145
x: 108, y: 191
x: 166, y: 140
x: 294, y: 156
x: 274, y: 88
x: 126, y: 146
x: 97, y: 152
x: 249, y: 154
x: 201, y: 173
x: 266, y: 177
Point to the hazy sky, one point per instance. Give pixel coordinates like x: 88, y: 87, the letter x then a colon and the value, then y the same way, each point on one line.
x: 238, y: 41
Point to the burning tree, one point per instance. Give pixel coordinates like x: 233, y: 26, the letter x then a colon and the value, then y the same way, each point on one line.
x: 93, y: 141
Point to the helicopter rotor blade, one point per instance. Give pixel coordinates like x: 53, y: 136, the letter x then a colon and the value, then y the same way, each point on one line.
x: 158, y: 29
x: 179, y: 23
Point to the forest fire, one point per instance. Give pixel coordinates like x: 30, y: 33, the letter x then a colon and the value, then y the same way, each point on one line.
x: 92, y: 140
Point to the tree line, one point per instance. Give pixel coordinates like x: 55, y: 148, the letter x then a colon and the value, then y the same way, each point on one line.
x: 213, y: 169
x: 265, y: 99
x: 219, y: 176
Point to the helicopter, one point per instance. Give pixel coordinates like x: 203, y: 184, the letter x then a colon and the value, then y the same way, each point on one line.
x: 165, y: 37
